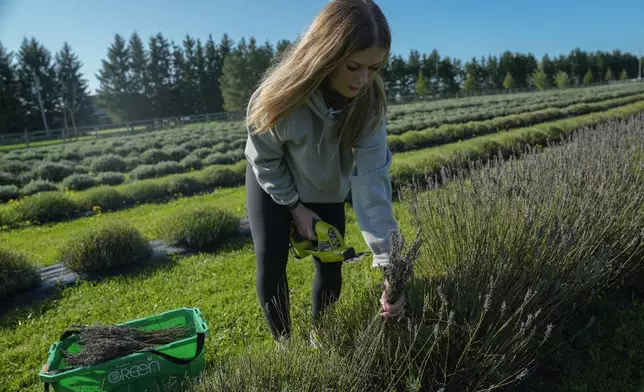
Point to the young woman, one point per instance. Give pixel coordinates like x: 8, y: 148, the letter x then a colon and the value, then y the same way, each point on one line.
x: 317, y: 130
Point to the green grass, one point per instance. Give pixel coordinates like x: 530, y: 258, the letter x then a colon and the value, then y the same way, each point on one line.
x: 221, y: 284
x: 40, y: 243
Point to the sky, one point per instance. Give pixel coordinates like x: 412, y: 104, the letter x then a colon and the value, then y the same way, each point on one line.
x: 456, y: 28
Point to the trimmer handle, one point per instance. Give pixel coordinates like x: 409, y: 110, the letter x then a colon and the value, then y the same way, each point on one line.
x: 299, y: 237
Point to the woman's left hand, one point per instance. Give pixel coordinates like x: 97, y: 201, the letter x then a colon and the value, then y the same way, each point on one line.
x: 389, y: 310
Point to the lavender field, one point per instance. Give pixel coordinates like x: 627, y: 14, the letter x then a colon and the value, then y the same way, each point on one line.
x: 531, y: 217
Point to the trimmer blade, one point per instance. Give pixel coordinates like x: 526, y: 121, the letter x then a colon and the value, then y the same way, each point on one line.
x: 357, y: 257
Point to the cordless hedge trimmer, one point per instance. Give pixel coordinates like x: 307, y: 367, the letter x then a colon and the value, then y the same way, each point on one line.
x: 329, y: 247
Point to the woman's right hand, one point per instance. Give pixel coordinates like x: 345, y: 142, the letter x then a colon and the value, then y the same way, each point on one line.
x: 303, y: 218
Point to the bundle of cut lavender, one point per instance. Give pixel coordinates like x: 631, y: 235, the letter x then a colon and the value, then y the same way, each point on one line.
x: 400, y: 270
x: 102, y: 343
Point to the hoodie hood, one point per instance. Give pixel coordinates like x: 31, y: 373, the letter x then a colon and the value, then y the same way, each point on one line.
x: 319, y: 107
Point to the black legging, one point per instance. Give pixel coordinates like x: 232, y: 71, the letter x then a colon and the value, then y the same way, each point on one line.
x: 270, y: 225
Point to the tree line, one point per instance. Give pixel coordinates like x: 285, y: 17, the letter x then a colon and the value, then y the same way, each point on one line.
x: 164, y: 78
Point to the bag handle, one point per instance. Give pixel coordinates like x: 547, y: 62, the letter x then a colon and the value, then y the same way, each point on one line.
x: 201, y: 339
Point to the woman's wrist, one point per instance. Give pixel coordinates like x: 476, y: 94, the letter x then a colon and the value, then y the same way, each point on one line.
x: 294, y: 205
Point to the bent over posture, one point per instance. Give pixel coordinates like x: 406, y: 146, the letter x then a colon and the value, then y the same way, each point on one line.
x: 317, y: 130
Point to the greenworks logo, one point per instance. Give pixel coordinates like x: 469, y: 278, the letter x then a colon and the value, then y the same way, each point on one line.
x: 133, y: 372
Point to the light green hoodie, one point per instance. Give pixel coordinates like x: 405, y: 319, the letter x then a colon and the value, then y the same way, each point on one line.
x: 300, y: 159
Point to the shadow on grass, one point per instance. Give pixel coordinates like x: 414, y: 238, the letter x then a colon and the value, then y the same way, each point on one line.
x: 161, y: 260
x: 141, y: 269
x: 39, y: 301
x: 235, y: 243
x: 12, y: 313
x: 601, y: 349
x: 232, y: 244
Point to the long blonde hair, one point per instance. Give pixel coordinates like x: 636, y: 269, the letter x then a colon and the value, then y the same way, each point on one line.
x: 340, y: 29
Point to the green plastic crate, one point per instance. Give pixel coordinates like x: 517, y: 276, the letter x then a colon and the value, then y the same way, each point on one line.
x: 162, y: 369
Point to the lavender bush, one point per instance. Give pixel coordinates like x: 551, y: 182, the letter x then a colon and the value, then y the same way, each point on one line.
x: 509, y: 253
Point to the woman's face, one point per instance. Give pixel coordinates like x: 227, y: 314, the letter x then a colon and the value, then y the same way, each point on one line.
x: 357, y: 71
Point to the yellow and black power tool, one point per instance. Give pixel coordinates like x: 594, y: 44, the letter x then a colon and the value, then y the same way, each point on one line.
x: 329, y: 247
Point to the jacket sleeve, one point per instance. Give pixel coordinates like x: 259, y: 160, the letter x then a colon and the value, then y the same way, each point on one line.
x: 371, y: 192
x: 265, y: 153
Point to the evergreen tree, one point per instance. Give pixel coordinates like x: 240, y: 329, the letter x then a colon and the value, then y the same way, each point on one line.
x: 411, y: 71
x: 72, y: 87
x: 166, y: 81
x: 159, y: 82
x: 421, y: 86
x: 448, y: 70
x: 562, y: 80
x: 281, y: 46
x: 178, y: 79
x: 214, y: 101
x: 548, y: 67
x: 138, y: 78
x: 235, y: 78
x: 258, y: 60
x: 201, y: 79
x: 470, y: 83
x: 113, y: 93
x: 508, y: 82
x: 458, y: 75
x: 37, y: 80
x: 11, y: 115
x: 540, y: 78
x: 579, y: 61
x: 482, y: 75
x: 494, y: 73
x: 190, y: 90
x: 225, y: 48
x: 602, y: 62
x: 431, y: 67
x: 472, y: 79
x: 242, y: 70
x: 520, y: 66
x: 395, y: 75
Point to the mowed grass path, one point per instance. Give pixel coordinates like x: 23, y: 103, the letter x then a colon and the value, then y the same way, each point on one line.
x: 222, y: 284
